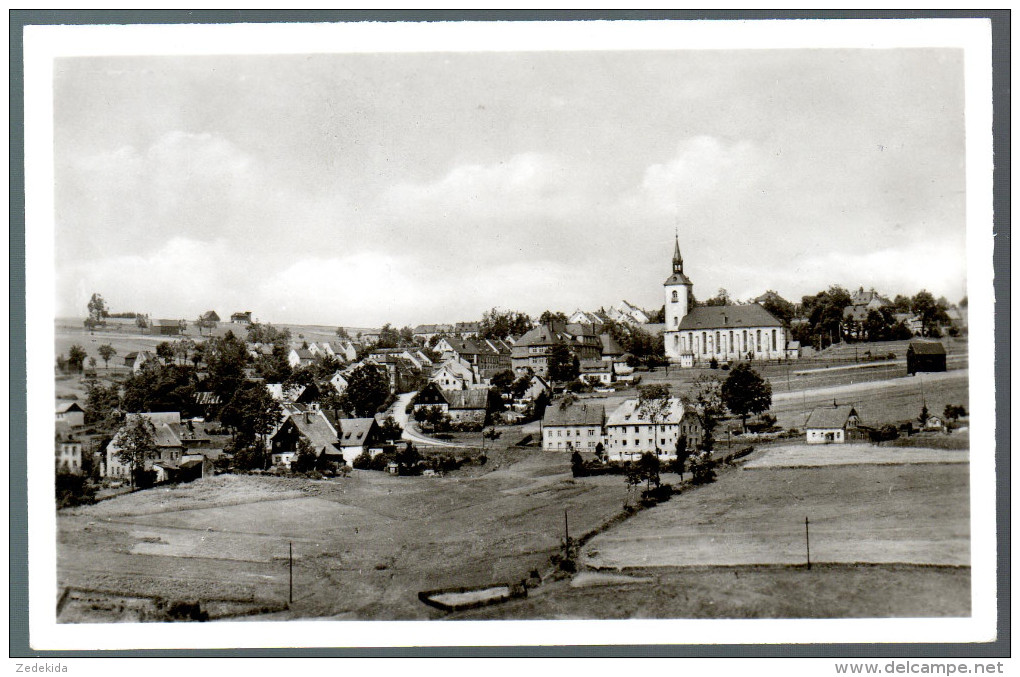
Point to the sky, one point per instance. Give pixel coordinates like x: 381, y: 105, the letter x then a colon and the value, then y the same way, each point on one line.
x: 359, y: 189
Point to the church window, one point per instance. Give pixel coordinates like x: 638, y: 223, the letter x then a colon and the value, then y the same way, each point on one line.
x: 676, y: 296
x: 775, y: 346
x: 759, y: 341
x: 717, y: 344
x: 676, y: 321
x: 704, y: 343
x: 731, y: 341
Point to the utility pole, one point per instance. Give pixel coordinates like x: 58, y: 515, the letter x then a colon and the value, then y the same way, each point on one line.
x: 807, y: 542
x: 290, y: 594
x: 566, y: 527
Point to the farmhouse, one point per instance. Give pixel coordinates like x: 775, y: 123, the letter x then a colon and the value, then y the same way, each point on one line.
x: 463, y: 406
x: 136, y: 360
x: 310, y: 426
x: 169, y: 327
x: 925, y: 356
x: 167, y: 437
x: 300, y: 357
x: 730, y: 332
x: 358, y: 435
x: 630, y: 431
x: 241, y: 317
x: 598, y: 371
x: 425, y: 332
x: 453, y: 374
x: 573, y: 427
x: 70, y: 413
x: 834, y: 425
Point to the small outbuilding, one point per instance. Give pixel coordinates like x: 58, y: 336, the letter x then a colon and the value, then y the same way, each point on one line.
x: 925, y: 356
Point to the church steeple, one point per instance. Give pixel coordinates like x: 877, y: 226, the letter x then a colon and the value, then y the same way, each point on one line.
x: 678, y: 261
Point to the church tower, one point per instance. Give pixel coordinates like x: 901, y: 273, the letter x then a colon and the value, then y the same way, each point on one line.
x: 677, y: 289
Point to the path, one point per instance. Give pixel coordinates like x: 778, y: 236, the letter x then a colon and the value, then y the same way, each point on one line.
x: 399, y: 413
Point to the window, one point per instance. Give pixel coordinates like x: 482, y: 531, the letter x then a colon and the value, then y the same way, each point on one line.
x: 731, y: 341
x: 676, y: 297
x: 774, y: 344
x: 717, y: 345
x: 759, y: 341
x: 663, y: 441
x: 623, y: 442
x: 704, y: 343
x: 591, y: 433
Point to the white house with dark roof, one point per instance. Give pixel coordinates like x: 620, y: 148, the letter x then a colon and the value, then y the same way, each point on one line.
x: 573, y: 427
x: 833, y: 425
x: 732, y: 332
x: 630, y: 431
x: 70, y: 412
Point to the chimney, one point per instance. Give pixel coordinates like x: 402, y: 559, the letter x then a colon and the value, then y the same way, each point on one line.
x: 307, y: 420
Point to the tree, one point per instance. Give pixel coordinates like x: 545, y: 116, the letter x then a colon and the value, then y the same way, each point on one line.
x: 746, y: 392
x: 722, y: 298
x: 682, y: 454
x: 503, y: 380
x: 782, y: 309
x: 705, y: 396
x: 561, y: 364
x: 92, y: 362
x: 136, y: 441
x: 341, y: 333
x: 548, y: 317
x: 165, y: 352
x: 252, y: 413
x: 97, y: 312
x: 106, y: 351
x: 102, y: 406
x: 408, y: 460
x: 954, y: 411
x: 76, y: 357
x: 368, y: 387
x: 701, y: 467
x: 922, y: 418
x: 648, y: 468
x: 503, y: 324
x: 541, y: 402
x: 305, y: 458
x: 932, y: 313
x: 576, y: 464
x: 389, y: 429
x: 654, y: 404
x: 226, y: 358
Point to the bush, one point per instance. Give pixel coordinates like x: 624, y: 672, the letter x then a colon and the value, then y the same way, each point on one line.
x: 713, y: 363
x: 659, y: 494
x: 73, y: 490
x: 187, y: 611
x: 702, y: 468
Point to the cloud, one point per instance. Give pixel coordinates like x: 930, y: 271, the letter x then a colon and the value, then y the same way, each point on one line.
x: 701, y: 166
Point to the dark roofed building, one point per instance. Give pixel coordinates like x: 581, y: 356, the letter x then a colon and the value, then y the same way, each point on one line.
x: 532, y: 351
x: 834, y: 425
x: 729, y: 317
x: 925, y: 356
x: 241, y: 317
x: 575, y: 427
x: 169, y: 327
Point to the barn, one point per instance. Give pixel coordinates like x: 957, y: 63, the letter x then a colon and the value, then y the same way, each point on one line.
x: 925, y: 356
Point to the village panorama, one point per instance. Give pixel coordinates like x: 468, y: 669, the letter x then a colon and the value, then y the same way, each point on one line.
x: 707, y: 458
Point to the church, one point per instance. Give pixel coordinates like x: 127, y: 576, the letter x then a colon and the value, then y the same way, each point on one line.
x: 728, y: 333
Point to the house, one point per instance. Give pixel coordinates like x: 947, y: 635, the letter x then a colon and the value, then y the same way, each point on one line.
x: 536, y: 386
x: 70, y: 413
x: 730, y: 332
x: 630, y: 432
x: 426, y: 332
x: 834, y: 425
x: 454, y: 374
x: 479, y: 353
x: 584, y: 317
x: 622, y: 371
x: 311, y: 426
x: 870, y: 300
x: 136, y: 360
x: 793, y: 350
x: 611, y: 349
x: 628, y: 313
x: 573, y: 427
x: 357, y: 436
x: 596, y: 370
x: 210, y: 316
x: 467, y: 329
x: 462, y: 406
x: 69, y: 451
x: 403, y: 375
x: 342, y: 350
x: 338, y: 382
x: 241, y: 317
x: 925, y: 356
x: 300, y: 357
x: 167, y: 437
x: 934, y: 422
x: 533, y: 350
x: 169, y: 327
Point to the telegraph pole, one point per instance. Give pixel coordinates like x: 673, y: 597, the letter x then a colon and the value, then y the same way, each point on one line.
x: 290, y: 594
x: 807, y: 542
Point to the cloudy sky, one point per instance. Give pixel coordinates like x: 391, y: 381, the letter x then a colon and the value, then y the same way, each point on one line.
x: 359, y: 189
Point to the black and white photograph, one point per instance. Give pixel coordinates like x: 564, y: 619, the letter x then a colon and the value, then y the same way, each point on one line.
x: 634, y: 328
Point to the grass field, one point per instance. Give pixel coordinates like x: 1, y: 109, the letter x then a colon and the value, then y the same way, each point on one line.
x: 824, y: 591
x: 916, y: 514
x: 363, y: 546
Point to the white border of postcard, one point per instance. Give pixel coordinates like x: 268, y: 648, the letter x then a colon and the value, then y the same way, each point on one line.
x: 44, y: 43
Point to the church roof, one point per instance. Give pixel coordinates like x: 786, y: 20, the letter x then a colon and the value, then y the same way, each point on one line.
x: 728, y: 317
x: 678, y: 278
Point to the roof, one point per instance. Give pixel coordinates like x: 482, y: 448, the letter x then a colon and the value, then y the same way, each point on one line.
x: 542, y: 335
x: 211, y: 316
x: 304, y: 353
x: 595, y: 366
x: 432, y: 328
x: 64, y: 407
x: 578, y: 413
x: 830, y: 417
x: 927, y: 348
x: 856, y: 313
x: 314, y: 427
x: 629, y: 413
x: 354, y: 432
x: 729, y: 317
x: 168, y: 323
x: 467, y: 399
x: 609, y: 345
x: 467, y: 326
x: 677, y: 278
